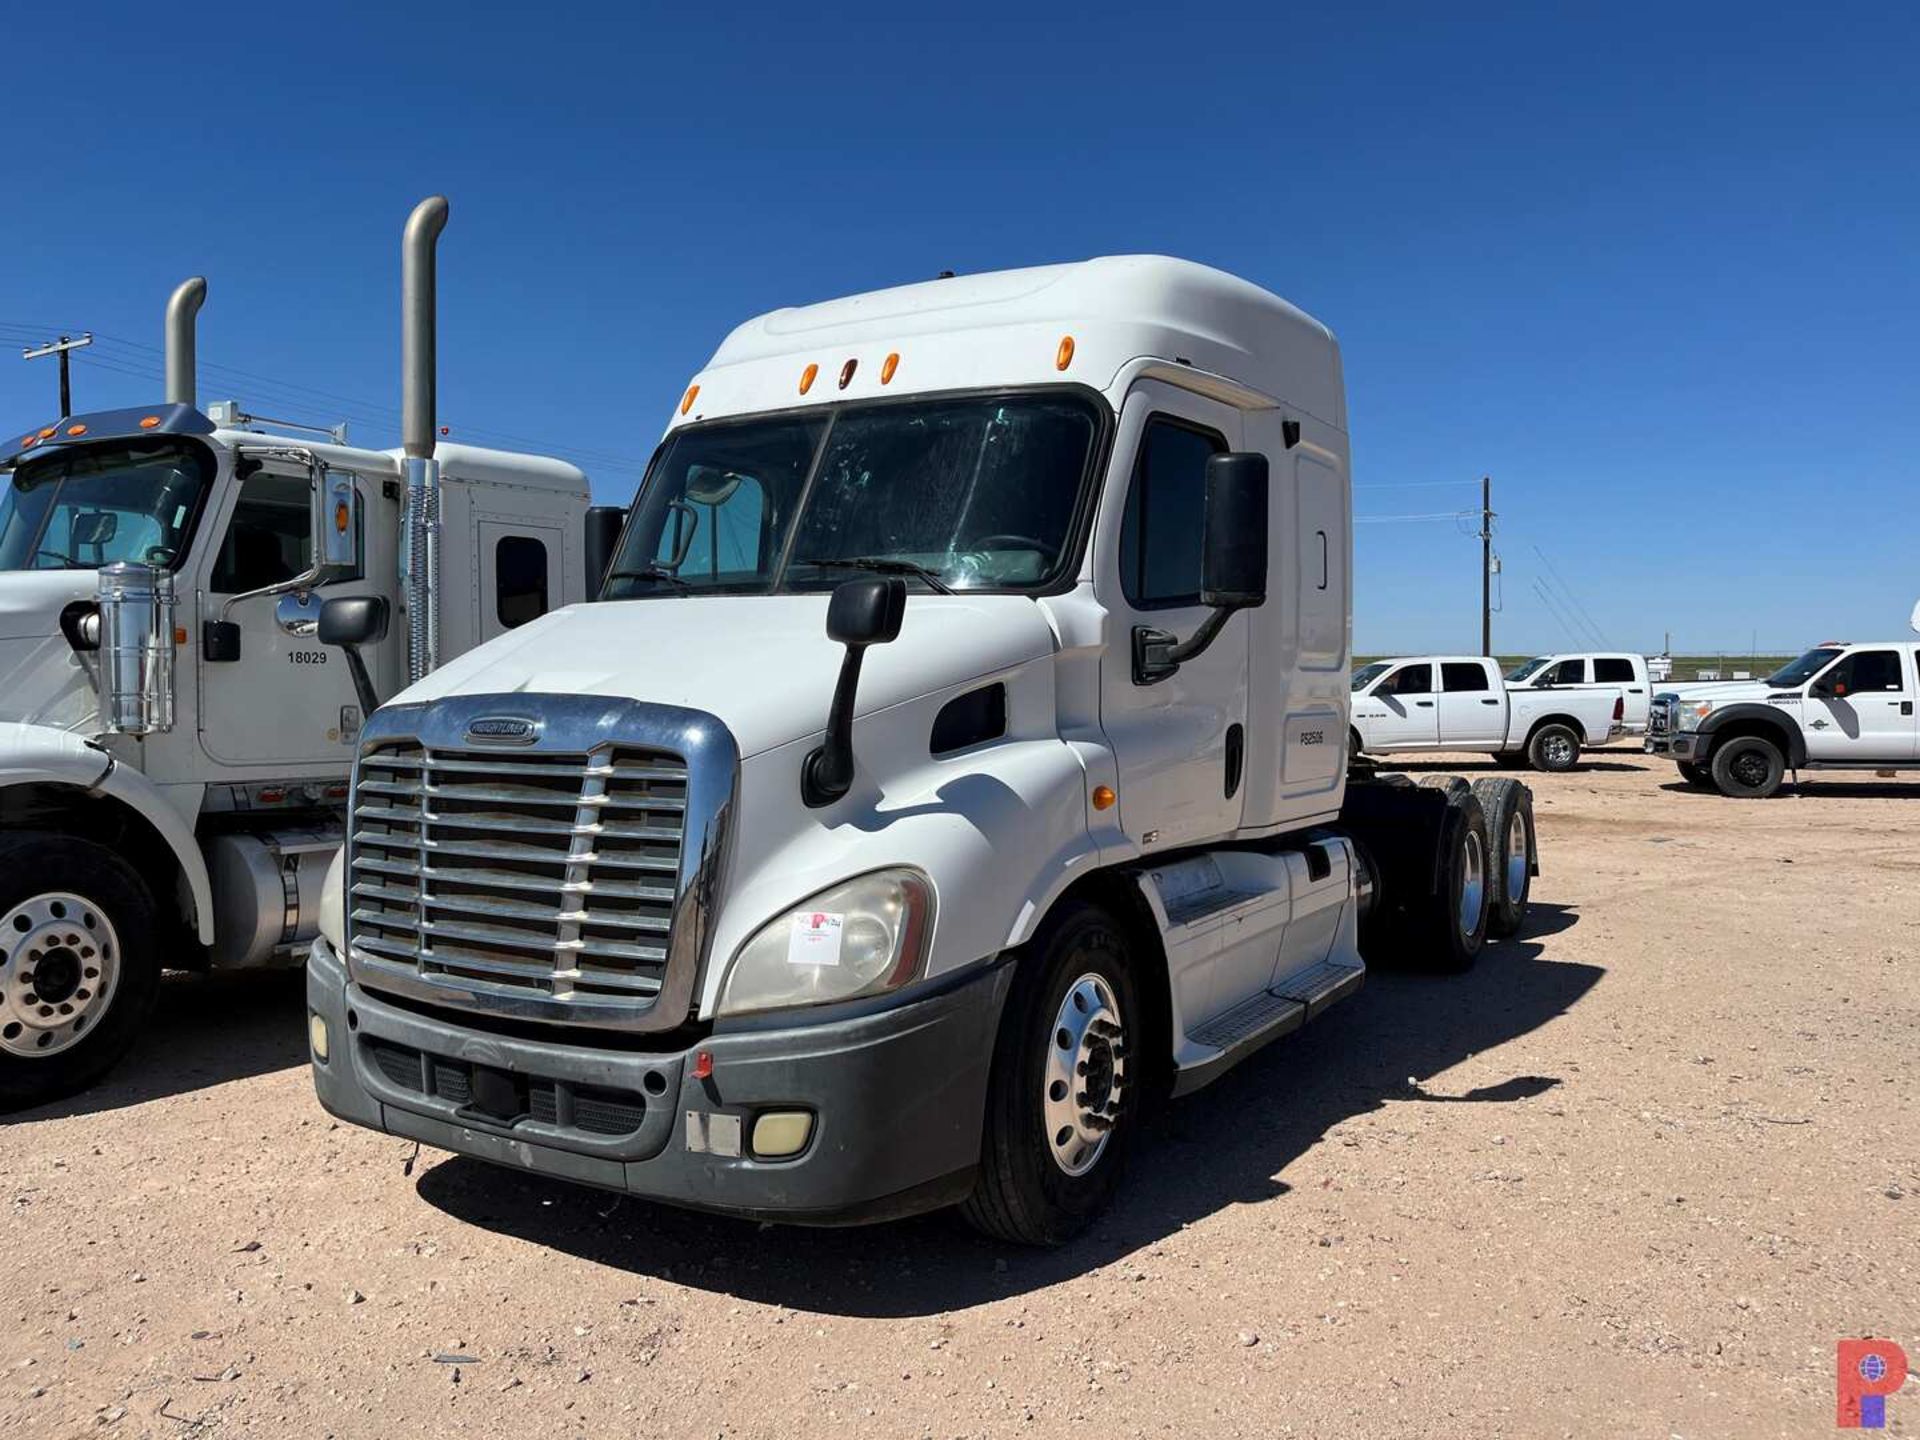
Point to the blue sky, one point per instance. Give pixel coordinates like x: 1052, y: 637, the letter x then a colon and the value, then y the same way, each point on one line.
x: 1656, y: 270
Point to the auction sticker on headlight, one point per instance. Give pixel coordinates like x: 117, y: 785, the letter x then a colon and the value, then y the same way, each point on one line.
x: 815, y: 939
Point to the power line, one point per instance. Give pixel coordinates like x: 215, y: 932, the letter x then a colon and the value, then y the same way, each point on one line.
x: 1573, y: 600
x: 1384, y: 519
x: 1411, y: 484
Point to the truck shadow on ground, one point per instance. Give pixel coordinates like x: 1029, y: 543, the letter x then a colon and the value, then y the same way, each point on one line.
x: 1813, y: 790
x: 1459, y: 765
x: 1229, y: 1145
x: 205, y: 1030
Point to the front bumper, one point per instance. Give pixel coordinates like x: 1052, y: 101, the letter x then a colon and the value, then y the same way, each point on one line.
x: 897, y: 1098
x: 1688, y: 745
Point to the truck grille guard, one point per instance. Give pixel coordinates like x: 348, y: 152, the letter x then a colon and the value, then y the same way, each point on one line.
x: 1660, y: 715
x: 538, y: 857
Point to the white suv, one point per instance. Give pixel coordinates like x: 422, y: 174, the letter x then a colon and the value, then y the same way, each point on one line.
x: 1838, y: 707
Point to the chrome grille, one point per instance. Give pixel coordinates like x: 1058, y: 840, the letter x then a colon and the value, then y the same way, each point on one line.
x: 550, y: 876
x: 1660, y: 715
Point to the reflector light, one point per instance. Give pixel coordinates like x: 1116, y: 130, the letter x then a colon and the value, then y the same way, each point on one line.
x: 48, y: 433
x: 846, y: 373
x: 179, y: 634
x: 1063, y: 357
x: 888, y: 366
x: 341, y: 517
x: 148, y: 422
x: 1103, y: 797
x: 806, y: 378
x: 76, y: 430
x: 703, y: 1065
x: 693, y: 393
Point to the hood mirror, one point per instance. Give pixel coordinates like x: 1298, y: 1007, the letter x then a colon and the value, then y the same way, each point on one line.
x: 861, y: 613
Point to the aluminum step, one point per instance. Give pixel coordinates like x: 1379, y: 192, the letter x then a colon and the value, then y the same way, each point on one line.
x: 1265, y: 1017
x: 1319, y: 986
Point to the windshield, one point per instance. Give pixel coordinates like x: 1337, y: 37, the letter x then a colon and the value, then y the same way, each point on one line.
x: 1527, y: 667
x: 77, y: 508
x: 1805, y: 668
x: 1367, y: 674
x: 967, y: 494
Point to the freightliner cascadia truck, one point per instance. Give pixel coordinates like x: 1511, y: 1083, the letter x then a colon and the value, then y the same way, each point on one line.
x: 952, y: 764
x: 175, y: 738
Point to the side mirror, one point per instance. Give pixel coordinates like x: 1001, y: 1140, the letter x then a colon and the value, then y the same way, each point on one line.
x: 861, y: 613
x: 1233, y: 562
x: 336, y: 522
x: 351, y: 621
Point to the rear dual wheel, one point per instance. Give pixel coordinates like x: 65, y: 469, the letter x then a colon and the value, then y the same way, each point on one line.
x: 1450, y: 927
x: 1508, y: 806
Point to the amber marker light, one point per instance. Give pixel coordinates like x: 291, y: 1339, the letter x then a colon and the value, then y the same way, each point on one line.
x: 149, y: 422
x: 341, y: 517
x: 76, y: 430
x: 686, y: 403
x: 49, y: 432
x: 888, y: 366
x: 1103, y: 797
x: 1063, y: 357
x: 806, y: 378
x: 846, y: 373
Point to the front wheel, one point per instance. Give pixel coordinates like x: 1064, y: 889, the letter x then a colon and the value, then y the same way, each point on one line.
x: 78, y: 968
x: 1554, y: 748
x: 1748, y: 767
x: 1065, y: 1087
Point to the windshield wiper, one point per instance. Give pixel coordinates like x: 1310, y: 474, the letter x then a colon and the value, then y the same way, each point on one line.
x: 882, y: 565
x: 653, y: 572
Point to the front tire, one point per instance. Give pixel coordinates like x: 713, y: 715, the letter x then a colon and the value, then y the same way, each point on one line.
x: 78, y: 968
x: 1748, y: 767
x: 1554, y: 748
x: 1065, y: 1088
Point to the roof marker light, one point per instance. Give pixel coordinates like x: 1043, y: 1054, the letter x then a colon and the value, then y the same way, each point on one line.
x: 888, y: 366
x: 76, y: 430
x: 846, y: 373
x: 806, y: 378
x: 149, y: 421
x: 1063, y: 357
x: 686, y: 403
x: 48, y: 433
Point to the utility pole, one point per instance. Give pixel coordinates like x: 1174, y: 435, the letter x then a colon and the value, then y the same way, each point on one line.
x: 1486, y: 565
x: 61, y: 347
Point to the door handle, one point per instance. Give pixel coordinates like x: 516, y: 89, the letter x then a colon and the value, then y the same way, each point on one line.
x: 1428, y: 704
x: 1489, y: 702
x: 1633, y: 690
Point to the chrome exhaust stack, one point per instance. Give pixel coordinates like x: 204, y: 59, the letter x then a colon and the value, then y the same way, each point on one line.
x: 420, y: 550
x: 182, y: 309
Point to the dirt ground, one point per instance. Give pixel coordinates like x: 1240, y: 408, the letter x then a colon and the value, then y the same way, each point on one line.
x: 1632, y: 1176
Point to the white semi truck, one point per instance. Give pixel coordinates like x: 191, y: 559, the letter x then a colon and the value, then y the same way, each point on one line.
x: 175, y: 738
x: 954, y: 762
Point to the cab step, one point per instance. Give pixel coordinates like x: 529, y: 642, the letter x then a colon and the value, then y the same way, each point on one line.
x: 1237, y: 1033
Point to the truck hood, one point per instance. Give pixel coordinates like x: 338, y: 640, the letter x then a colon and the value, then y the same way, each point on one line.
x: 761, y: 663
x: 41, y: 679
x: 1721, y: 692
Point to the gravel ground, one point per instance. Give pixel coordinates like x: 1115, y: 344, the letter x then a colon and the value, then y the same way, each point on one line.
x: 1633, y: 1175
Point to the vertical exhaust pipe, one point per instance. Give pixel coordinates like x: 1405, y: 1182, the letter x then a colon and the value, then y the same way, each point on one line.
x: 182, y: 309
x: 420, y: 556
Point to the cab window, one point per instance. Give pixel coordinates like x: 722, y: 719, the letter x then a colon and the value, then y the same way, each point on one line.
x: 269, y: 539
x: 1568, y: 672
x: 1865, y: 671
x: 1160, y: 531
x: 1459, y: 677
x: 1618, y: 671
x: 1409, y: 680
x: 519, y: 579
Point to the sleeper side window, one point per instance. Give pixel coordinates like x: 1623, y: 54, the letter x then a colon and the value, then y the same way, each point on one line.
x: 519, y: 579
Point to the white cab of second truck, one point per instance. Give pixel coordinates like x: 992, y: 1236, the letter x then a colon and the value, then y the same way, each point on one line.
x: 1610, y: 670
x: 1461, y: 702
x: 954, y: 759
x: 176, y: 735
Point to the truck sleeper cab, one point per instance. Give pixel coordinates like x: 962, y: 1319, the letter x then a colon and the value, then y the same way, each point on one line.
x: 953, y: 759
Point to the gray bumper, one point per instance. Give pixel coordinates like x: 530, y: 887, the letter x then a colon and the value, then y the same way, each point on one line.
x: 897, y: 1096
x: 1688, y: 745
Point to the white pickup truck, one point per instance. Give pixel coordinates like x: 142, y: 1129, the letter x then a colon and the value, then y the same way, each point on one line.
x: 1460, y: 702
x: 1838, y: 707
x: 1592, y: 670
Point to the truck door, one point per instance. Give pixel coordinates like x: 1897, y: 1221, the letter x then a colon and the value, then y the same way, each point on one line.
x: 1404, y: 715
x: 1179, y: 743
x: 1624, y: 672
x: 1471, y: 707
x: 281, y: 702
x: 1862, y: 708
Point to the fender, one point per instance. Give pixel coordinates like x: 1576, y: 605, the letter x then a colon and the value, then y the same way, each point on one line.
x: 31, y: 754
x: 1792, y: 740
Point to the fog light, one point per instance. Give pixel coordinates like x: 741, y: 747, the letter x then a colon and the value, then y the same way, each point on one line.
x: 317, y: 1037
x: 780, y: 1133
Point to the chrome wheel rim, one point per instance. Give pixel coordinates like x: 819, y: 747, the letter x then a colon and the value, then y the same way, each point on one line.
x: 1516, y: 856
x: 59, y: 969
x: 1473, y: 883
x: 1086, y: 1074
x: 1559, y: 750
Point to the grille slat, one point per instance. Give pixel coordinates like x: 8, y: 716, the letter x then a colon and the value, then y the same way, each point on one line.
x: 550, y: 876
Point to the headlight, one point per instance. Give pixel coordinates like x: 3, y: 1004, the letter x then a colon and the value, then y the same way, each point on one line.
x: 333, y: 910
x: 1692, y: 712
x: 864, y: 936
